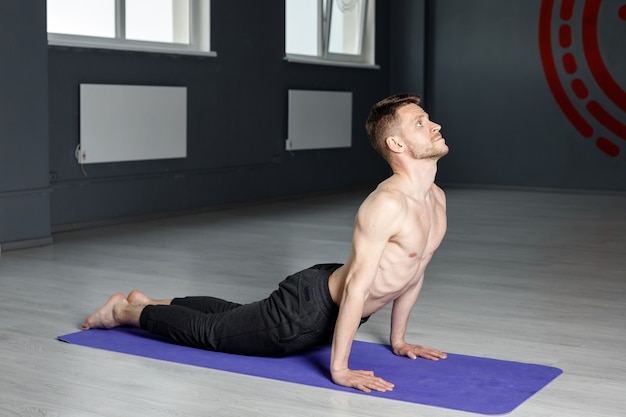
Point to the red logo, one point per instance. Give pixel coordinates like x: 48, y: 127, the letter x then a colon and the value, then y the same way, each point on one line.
x: 581, y: 75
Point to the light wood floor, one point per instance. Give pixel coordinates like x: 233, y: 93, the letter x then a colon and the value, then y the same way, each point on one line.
x: 522, y: 275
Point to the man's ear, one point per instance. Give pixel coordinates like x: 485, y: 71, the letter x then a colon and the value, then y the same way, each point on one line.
x: 395, y: 144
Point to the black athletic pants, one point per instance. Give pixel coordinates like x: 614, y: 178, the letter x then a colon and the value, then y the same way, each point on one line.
x: 299, y: 315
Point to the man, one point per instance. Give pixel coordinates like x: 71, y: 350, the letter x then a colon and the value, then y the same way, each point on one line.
x: 397, y: 229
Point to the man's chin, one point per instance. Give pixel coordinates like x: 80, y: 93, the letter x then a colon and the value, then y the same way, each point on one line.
x: 444, y: 151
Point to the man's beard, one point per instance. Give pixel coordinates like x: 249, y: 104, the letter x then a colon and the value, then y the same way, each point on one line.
x: 433, y: 153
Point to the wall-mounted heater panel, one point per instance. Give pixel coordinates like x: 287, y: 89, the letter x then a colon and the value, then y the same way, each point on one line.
x: 131, y: 123
x: 319, y: 120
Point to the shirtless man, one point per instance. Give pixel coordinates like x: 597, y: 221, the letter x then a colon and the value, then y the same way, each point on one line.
x: 397, y: 229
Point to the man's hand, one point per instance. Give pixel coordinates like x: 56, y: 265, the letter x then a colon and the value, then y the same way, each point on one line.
x: 361, y: 380
x: 417, y: 351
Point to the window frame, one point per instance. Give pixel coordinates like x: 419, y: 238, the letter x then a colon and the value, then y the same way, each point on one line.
x: 367, y: 58
x: 199, y: 35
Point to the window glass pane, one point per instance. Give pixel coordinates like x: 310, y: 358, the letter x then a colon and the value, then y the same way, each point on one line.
x: 346, y: 27
x: 301, y: 27
x: 80, y: 17
x: 158, y: 20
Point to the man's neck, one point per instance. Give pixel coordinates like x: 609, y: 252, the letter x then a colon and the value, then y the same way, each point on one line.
x: 420, y: 176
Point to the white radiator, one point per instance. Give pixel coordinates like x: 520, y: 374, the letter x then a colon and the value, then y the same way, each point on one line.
x: 319, y: 120
x: 131, y: 123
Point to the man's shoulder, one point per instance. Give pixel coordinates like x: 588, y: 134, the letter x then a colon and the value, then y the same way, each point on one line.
x: 385, y: 198
x: 438, y: 193
x: 437, y: 189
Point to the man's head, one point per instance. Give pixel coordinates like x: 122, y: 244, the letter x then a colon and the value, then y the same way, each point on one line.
x: 383, y: 121
x: 397, y: 124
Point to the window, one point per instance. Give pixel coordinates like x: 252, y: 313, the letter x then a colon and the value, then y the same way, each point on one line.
x: 336, y: 32
x: 175, y: 26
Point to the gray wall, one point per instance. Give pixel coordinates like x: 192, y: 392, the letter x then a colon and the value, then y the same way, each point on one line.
x: 487, y: 87
x: 477, y: 63
x: 237, y: 122
x: 24, y: 193
x: 407, y: 46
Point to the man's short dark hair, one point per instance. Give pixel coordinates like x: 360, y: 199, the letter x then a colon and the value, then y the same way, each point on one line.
x: 382, y: 119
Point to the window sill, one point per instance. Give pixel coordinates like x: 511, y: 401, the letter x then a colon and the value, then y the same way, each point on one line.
x: 320, y: 61
x: 130, y: 46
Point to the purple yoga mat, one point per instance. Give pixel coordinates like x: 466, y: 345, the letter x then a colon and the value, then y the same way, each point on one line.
x: 461, y: 382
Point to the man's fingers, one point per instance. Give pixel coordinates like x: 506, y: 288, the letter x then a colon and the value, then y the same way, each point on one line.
x: 415, y: 351
x: 378, y: 384
x: 362, y: 380
x: 369, y: 382
x: 438, y: 354
x: 434, y: 355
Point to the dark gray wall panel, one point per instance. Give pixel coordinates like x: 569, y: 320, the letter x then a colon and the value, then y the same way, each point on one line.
x: 407, y: 31
x: 488, y: 89
x: 237, y: 122
x: 24, y: 215
x: 24, y: 197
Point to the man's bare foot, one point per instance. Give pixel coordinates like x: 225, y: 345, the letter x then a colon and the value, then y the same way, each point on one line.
x: 104, y: 318
x: 137, y: 298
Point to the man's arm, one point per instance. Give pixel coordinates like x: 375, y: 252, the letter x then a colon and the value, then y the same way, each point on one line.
x: 403, y: 305
x: 400, y: 313
x: 379, y: 218
x: 350, y: 314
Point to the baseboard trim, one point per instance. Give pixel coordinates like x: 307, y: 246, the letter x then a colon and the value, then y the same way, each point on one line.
x: 25, y: 244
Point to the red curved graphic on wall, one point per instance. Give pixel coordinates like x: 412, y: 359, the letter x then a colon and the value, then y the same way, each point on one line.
x: 578, y: 73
